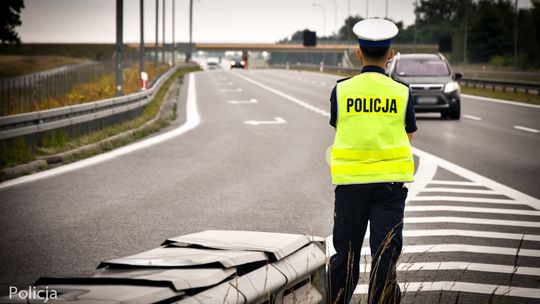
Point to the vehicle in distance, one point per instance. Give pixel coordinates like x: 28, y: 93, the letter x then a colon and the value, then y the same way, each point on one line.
x: 212, y: 65
x: 433, y: 85
x: 237, y: 64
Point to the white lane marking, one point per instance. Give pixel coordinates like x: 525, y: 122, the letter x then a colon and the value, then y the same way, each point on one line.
x: 323, y: 84
x: 503, y: 101
x: 469, y: 220
x: 276, y: 121
x: 472, y: 117
x: 526, y: 129
x: 452, y: 183
x: 192, y: 121
x: 405, y: 267
x: 463, y: 287
x: 470, y: 233
x: 231, y: 90
x: 286, y: 96
x: 410, y: 208
x: 464, y: 191
x: 330, y: 250
x: 251, y: 101
x: 467, y: 200
x: 225, y: 83
x: 424, y: 174
x: 434, y: 248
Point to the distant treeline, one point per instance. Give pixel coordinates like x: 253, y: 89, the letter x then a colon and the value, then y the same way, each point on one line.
x: 489, y: 24
x: 90, y: 51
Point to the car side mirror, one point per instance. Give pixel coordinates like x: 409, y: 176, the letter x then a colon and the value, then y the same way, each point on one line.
x: 458, y: 76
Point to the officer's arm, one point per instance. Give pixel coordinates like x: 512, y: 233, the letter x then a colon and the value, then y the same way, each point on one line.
x: 333, y: 108
x: 410, y: 117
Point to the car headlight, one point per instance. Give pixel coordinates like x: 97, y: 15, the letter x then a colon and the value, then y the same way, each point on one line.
x: 242, y: 62
x: 451, y: 87
x: 231, y: 62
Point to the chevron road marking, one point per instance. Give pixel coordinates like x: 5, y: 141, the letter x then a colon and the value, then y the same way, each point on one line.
x: 463, y: 287
x: 410, y: 208
x: 494, y: 268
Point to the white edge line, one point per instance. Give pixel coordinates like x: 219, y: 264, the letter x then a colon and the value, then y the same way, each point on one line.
x: 464, y: 287
x: 503, y: 101
x: 479, y: 179
x: 192, y: 121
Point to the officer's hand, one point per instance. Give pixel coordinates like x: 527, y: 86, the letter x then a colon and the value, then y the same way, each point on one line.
x: 410, y: 135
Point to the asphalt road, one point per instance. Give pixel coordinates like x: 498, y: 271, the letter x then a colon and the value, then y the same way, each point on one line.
x: 256, y: 162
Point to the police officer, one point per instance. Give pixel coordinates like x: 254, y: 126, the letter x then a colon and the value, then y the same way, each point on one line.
x: 370, y: 160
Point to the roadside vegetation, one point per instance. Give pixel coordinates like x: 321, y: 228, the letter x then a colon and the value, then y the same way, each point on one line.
x: 56, y: 142
x: 16, y: 65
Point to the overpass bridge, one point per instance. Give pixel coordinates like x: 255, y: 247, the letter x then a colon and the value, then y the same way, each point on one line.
x: 268, y: 47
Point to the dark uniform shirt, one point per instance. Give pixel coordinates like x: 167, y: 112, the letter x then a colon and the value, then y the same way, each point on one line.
x: 410, y: 118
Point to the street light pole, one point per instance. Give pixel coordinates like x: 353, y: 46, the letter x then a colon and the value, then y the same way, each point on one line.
x: 335, y: 15
x: 516, y: 34
x: 367, y: 9
x: 188, y: 57
x: 465, y: 31
x: 173, y: 45
x: 324, y: 16
x: 386, y: 11
x: 141, y: 45
x: 157, y: 34
x: 163, y: 34
x: 119, y: 47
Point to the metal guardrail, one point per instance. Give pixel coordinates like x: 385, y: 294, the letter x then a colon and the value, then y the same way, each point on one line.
x: 514, y: 86
x: 210, y: 267
x: 39, y: 121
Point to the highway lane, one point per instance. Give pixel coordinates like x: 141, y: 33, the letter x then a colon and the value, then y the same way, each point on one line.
x: 490, y: 146
x: 222, y: 175
x: 226, y: 174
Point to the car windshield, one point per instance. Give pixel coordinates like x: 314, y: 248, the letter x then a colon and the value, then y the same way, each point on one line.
x: 419, y: 67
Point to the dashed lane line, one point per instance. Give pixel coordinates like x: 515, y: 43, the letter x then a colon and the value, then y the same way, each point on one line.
x: 285, y: 95
x: 487, y: 289
x: 472, y: 117
x: 526, y: 129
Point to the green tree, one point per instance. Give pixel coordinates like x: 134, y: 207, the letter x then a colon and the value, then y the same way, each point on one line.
x: 491, y: 30
x: 10, y: 11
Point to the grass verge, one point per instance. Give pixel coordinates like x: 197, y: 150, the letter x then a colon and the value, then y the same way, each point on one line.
x: 57, y: 142
x: 13, y: 65
x: 514, y: 96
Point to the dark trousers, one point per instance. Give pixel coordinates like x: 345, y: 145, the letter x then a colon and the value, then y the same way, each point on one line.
x: 382, y: 205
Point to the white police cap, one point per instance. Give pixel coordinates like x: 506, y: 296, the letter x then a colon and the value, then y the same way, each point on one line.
x: 375, y: 32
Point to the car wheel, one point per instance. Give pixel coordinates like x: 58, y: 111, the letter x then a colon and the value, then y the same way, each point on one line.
x: 455, y: 112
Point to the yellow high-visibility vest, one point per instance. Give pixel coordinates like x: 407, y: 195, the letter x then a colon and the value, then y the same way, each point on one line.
x: 371, y: 144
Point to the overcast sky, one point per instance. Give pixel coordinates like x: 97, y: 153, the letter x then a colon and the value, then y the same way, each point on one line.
x: 214, y: 20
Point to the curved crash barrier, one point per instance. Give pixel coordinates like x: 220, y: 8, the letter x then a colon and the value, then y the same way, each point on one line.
x: 214, y: 266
